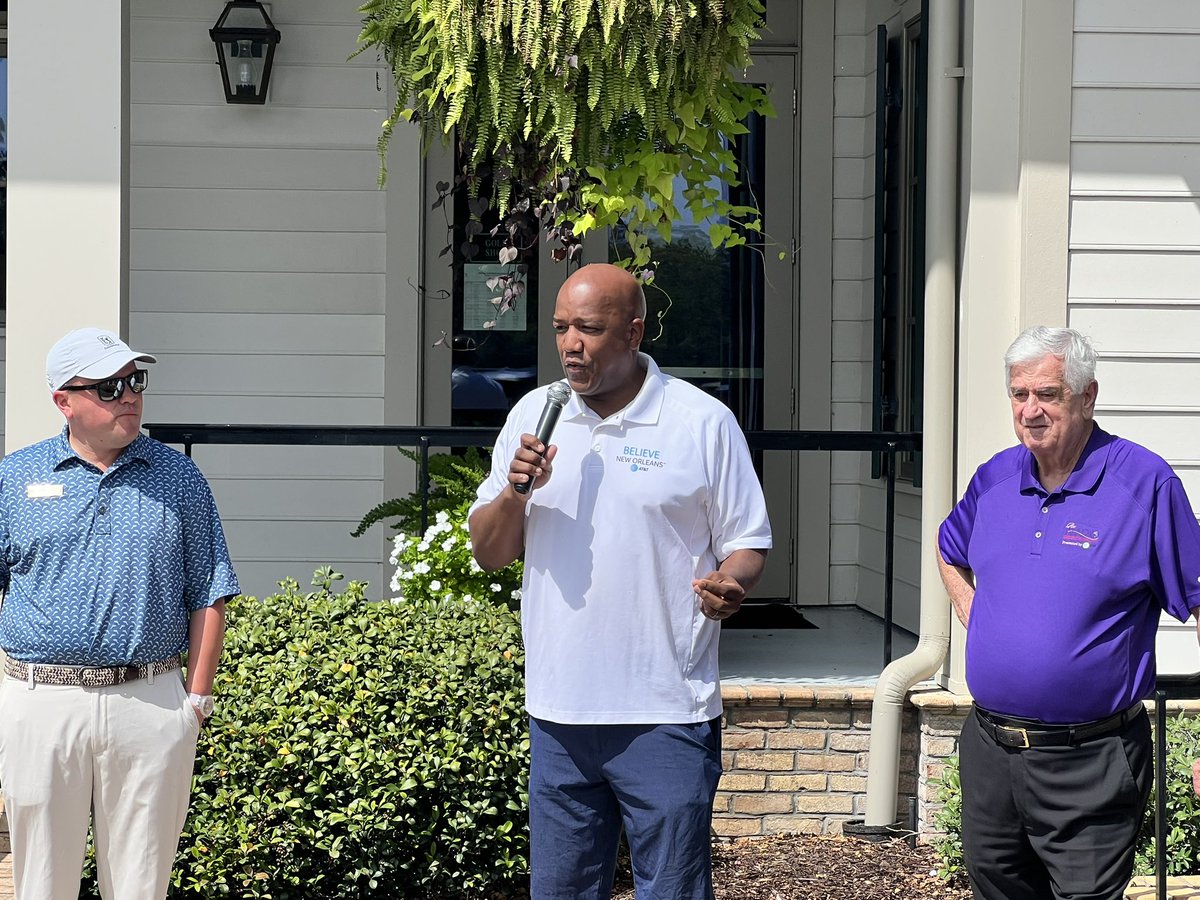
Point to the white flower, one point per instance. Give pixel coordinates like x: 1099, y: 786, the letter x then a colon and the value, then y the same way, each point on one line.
x: 516, y: 595
x: 435, y: 585
x: 442, y: 517
x: 407, y: 575
x: 448, y: 544
x: 467, y: 598
x: 423, y: 547
x: 475, y: 567
x: 421, y: 568
x: 495, y: 587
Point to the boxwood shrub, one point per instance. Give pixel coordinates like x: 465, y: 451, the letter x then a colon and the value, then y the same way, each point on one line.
x: 362, y: 750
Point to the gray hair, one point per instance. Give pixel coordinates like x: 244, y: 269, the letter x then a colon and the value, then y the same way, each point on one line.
x: 1073, y: 348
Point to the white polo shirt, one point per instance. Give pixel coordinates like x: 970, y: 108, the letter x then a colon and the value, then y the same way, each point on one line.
x: 637, y: 506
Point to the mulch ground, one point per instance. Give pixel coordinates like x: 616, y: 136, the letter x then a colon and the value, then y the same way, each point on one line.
x: 822, y: 868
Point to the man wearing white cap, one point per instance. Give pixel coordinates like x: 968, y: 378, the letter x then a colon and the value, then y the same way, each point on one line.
x: 112, y: 563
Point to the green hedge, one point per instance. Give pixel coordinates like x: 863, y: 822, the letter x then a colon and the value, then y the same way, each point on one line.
x: 1183, y: 810
x: 1183, y: 807
x: 362, y: 750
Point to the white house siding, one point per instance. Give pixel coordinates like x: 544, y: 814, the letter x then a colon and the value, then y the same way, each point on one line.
x: 257, y: 271
x: 857, y: 500
x: 1135, y: 230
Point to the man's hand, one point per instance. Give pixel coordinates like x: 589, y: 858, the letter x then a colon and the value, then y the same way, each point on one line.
x: 531, y: 463
x: 498, y: 528
x: 720, y: 595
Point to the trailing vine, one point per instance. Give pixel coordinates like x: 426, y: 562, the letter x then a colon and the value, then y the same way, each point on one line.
x: 573, y: 115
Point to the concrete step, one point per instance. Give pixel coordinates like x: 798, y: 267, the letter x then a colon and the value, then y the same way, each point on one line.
x: 1179, y: 887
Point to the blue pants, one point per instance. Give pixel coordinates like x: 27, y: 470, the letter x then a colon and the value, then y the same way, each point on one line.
x: 587, y: 780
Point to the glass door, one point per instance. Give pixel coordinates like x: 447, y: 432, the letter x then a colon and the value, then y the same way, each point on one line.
x: 724, y: 320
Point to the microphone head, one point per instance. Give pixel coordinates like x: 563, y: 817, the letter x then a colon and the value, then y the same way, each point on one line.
x: 558, y: 393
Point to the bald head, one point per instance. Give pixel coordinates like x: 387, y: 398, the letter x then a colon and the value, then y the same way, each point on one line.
x: 604, y: 280
x: 598, y: 326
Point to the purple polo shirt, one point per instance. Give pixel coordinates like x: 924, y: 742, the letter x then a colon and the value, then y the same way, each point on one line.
x: 1070, y: 584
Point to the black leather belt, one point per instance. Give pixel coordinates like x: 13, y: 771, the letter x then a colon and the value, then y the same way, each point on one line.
x: 1021, y: 733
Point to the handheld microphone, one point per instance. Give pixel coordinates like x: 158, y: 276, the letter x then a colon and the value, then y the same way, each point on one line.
x: 556, y: 397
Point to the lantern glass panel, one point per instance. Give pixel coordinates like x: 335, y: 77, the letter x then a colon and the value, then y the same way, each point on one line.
x: 244, y: 17
x: 243, y: 69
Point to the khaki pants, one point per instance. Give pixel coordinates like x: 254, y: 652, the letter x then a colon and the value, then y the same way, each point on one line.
x: 123, y: 753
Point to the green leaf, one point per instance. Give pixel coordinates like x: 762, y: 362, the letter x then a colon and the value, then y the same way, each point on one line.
x: 563, y: 88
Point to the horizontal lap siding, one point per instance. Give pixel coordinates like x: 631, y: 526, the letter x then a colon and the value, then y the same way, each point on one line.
x: 257, y: 258
x: 1135, y: 227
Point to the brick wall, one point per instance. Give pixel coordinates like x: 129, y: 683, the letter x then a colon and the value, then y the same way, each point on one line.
x: 940, y: 716
x: 795, y: 759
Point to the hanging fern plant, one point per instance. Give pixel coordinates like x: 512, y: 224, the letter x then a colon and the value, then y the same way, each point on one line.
x: 573, y: 115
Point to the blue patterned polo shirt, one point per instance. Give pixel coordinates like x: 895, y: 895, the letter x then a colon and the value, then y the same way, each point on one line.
x: 105, y: 568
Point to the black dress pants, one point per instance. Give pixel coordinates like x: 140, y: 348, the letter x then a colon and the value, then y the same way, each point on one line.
x: 1053, y: 823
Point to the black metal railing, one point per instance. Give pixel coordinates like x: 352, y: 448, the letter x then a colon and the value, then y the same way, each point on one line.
x: 425, y: 436
x: 1170, y: 687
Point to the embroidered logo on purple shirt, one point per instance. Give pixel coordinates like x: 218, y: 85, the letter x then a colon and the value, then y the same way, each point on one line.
x: 1080, y: 536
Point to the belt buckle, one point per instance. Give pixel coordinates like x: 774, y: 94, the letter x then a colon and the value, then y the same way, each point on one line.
x: 1012, y: 735
x: 97, y: 677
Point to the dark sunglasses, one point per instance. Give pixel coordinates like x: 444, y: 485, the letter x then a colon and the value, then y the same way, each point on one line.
x: 112, y: 388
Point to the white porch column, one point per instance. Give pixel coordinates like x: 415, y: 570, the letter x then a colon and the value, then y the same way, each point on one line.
x: 68, y: 234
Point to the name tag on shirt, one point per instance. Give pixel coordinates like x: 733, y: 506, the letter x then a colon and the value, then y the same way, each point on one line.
x: 43, y: 491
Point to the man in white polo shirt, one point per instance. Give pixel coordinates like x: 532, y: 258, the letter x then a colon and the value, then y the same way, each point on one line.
x: 648, y: 529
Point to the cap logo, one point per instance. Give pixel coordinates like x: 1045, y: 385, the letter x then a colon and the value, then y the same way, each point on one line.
x: 106, y: 340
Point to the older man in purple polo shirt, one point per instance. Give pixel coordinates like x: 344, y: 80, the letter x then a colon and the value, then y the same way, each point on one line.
x: 1059, y: 560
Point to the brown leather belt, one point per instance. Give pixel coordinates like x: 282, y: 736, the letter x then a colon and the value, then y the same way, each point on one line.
x: 1023, y: 733
x: 86, y: 676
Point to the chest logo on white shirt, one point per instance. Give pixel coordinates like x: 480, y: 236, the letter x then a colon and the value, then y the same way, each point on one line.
x: 641, y: 459
x: 43, y: 491
x: 1080, y: 536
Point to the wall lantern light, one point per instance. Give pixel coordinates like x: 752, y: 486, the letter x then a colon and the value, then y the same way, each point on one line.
x: 245, y: 37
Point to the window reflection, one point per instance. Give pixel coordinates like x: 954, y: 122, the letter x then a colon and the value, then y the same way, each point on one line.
x: 704, y: 319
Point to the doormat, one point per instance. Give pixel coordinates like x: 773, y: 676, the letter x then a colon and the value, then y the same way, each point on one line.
x: 763, y: 616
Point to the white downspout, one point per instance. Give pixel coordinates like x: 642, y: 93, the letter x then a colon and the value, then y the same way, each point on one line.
x: 937, y: 457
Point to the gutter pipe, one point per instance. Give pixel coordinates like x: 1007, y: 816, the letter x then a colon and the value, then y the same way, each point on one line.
x: 937, y: 494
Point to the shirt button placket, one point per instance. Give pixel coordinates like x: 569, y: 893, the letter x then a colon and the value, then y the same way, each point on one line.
x: 103, y: 502
x: 1039, y: 530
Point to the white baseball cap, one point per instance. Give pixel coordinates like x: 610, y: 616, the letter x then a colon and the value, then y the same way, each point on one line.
x: 89, y: 353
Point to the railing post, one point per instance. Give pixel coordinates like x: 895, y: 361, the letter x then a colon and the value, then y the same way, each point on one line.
x: 1160, y: 794
x: 889, y: 553
x: 423, y: 449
